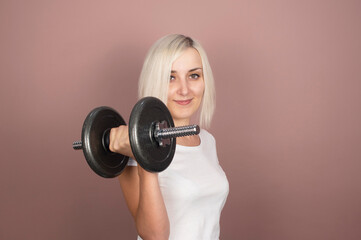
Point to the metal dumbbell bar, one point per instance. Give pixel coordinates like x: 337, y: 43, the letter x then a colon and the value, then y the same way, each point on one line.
x: 161, y: 135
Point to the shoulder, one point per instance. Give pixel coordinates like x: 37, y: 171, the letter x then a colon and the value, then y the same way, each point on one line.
x: 207, y: 136
x: 209, y: 146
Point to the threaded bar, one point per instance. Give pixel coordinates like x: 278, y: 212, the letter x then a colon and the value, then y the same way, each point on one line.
x: 178, y: 131
x: 77, y: 145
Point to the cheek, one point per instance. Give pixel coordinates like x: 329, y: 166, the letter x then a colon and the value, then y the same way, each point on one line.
x: 199, y: 89
x: 171, y: 92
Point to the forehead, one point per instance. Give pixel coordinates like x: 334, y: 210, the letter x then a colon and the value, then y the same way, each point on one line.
x: 189, y: 59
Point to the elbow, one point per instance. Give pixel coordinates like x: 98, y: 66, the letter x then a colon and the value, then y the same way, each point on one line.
x: 157, y: 232
x: 154, y: 236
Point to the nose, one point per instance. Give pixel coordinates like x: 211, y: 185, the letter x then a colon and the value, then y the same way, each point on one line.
x: 183, y: 88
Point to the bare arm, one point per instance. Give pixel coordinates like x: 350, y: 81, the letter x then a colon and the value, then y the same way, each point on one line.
x: 142, y: 192
x: 152, y: 218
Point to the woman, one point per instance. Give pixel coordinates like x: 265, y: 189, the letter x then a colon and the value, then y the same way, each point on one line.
x: 184, y: 201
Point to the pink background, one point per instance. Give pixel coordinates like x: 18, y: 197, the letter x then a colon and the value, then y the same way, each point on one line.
x: 288, y: 119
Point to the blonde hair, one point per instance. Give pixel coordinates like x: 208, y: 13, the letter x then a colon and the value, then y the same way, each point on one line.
x: 156, y: 71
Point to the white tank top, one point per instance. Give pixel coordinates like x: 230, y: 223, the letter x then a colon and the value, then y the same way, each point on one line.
x: 194, y: 189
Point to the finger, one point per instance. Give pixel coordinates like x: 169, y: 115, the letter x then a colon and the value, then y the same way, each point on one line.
x: 112, y: 139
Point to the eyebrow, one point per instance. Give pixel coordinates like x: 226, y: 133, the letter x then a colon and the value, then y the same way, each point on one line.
x: 193, y: 69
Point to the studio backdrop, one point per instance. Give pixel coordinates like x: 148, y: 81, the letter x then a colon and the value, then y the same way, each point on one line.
x: 287, y: 121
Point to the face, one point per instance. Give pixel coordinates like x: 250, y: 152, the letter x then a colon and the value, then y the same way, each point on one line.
x: 186, y: 86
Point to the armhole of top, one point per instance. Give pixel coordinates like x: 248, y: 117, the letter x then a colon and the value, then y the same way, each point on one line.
x: 132, y: 162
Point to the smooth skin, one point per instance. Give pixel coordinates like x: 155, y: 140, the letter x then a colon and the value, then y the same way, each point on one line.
x: 141, y: 188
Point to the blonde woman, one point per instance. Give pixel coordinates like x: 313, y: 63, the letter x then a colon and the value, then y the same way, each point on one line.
x: 184, y: 201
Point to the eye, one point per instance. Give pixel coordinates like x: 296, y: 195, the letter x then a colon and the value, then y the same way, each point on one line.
x: 194, y: 76
x: 171, y: 78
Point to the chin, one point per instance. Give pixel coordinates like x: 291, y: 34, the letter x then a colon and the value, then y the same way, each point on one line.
x: 181, y: 117
x: 179, y: 113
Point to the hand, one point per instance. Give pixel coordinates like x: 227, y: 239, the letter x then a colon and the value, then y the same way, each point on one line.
x: 119, y: 141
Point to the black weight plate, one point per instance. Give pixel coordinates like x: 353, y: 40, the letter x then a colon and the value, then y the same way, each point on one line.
x: 102, y: 161
x: 146, y: 150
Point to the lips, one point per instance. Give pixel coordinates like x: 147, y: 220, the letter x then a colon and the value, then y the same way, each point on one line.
x: 183, y: 102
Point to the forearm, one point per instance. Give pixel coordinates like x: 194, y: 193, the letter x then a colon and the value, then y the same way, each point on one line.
x: 151, y: 219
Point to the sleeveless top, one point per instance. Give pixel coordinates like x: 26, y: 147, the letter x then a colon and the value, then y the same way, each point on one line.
x: 194, y: 188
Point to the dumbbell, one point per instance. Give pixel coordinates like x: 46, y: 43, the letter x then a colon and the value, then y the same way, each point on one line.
x: 152, y: 137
